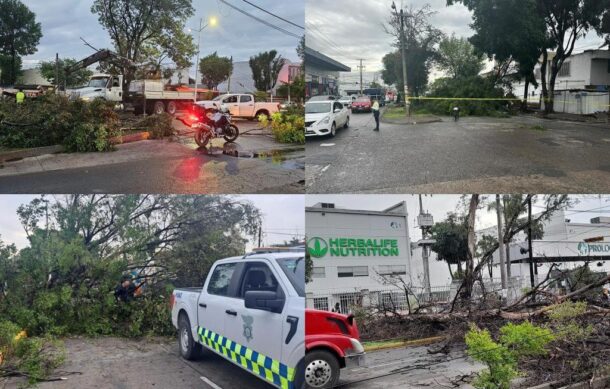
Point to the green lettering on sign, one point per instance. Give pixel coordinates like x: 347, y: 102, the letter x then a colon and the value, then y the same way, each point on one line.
x: 357, y: 247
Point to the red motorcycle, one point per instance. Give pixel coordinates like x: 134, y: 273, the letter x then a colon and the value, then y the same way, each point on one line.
x: 211, y: 123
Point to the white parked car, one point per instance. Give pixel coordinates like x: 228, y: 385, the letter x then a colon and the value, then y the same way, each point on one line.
x: 324, y: 117
x: 347, y: 100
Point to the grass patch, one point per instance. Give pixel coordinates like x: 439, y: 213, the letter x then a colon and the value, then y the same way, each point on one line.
x: 538, y: 127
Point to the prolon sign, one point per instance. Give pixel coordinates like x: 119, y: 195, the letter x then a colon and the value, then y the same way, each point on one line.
x: 355, y: 247
x: 592, y: 249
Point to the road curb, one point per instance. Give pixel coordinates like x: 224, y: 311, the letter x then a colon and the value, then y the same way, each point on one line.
x: 262, y: 153
x: 14, y: 155
x: 138, y: 136
x: 598, y: 383
x: 412, y: 121
x: 405, y: 343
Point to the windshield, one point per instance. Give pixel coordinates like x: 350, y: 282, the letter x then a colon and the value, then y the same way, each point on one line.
x: 294, y: 268
x: 317, y: 107
x: 218, y: 98
x: 98, y: 82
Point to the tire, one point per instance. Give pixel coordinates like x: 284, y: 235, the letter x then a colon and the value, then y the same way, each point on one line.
x: 158, y: 107
x: 333, y: 130
x: 189, y: 349
x: 234, y: 134
x: 346, y: 123
x: 264, y: 113
x: 322, y: 370
x: 172, y: 107
x: 202, y: 138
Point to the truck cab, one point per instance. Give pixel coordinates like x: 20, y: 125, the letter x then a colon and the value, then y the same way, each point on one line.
x: 251, y: 312
x: 101, y: 86
x: 332, y: 342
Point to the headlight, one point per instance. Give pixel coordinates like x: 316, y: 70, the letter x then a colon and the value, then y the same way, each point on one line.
x: 356, y: 346
x: 326, y: 120
x: 86, y: 98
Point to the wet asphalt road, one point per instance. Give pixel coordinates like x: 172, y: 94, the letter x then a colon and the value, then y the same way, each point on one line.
x: 475, y: 155
x: 160, y: 166
x: 408, y: 368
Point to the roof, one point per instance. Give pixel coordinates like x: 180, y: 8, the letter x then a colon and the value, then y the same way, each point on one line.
x: 313, y: 57
x: 387, y: 212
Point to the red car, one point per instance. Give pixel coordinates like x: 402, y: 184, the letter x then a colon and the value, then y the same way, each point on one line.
x: 332, y: 342
x: 362, y: 104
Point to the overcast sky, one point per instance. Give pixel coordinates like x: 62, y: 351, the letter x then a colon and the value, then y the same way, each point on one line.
x: 65, y: 21
x: 283, y: 217
x: 347, y: 32
x: 440, y: 205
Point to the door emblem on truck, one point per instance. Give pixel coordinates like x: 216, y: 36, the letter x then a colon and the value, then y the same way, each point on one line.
x: 248, y: 321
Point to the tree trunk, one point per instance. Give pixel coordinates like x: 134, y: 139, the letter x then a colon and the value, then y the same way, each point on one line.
x: 550, y: 106
x: 450, y: 271
x: 469, y: 278
x: 525, y: 95
x: 545, y: 90
x: 13, y: 75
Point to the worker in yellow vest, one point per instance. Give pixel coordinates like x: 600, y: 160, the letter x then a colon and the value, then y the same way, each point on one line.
x: 20, y: 96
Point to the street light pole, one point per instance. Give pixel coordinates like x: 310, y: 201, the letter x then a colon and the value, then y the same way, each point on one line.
x: 404, y: 58
x: 212, y: 23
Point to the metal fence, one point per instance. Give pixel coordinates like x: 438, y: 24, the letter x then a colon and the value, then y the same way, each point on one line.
x: 398, y: 300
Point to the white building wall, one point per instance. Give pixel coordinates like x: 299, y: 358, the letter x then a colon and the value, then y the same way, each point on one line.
x: 329, y: 225
x: 439, y: 271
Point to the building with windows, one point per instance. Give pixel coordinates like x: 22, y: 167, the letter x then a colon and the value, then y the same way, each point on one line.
x: 364, y: 257
x: 582, y: 83
x: 322, y: 74
x: 564, y: 246
x: 242, y: 80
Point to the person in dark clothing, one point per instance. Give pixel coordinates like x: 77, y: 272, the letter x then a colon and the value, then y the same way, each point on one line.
x: 125, y: 292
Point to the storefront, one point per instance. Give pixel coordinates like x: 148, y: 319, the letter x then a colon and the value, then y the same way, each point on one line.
x: 321, y: 74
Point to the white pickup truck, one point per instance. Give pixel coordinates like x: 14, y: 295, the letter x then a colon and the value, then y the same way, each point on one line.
x: 241, y: 105
x: 251, y: 311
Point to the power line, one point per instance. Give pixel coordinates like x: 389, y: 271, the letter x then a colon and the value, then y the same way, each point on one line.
x: 274, y: 15
x: 260, y: 20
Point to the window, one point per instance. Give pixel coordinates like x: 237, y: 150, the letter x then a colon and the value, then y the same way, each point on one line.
x: 245, y: 99
x: 352, y: 271
x: 294, y: 268
x: 230, y: 99
x: 338, y: 106
x: 115, y: 82
x: 221, y: 278
x: 392, y: 270
x: 257, y: 277
x: 318, y: 272
x: 320, y: 303
x: 565, y: 70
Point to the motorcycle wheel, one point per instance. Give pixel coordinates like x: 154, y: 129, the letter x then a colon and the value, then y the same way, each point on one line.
x: 202, y: 138
x: 231, y: 133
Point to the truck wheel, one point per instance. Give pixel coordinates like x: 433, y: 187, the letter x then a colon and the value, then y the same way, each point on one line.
x: 263, y: 113
x: 159, y: 108
x: 321, y: 370
x: 189, y: 348
x: 172, y: 108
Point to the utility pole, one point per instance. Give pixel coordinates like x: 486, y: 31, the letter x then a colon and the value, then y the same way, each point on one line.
x: 404, y: 58
x: 56, y: 73
x: 529, y: 239
x: 424, y: 225
x: 229, y: 82
x: 260, y: 233
x: 361, y: 69
x: 501, y: 243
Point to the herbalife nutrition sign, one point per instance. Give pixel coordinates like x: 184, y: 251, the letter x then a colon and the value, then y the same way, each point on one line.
x: 352, y: 247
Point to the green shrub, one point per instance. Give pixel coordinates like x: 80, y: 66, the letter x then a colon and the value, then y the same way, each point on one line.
x: 286, y: 128
x: 34, y: 357
x: 159, y: 126
x: 501, y: 358
x: 51, y: 119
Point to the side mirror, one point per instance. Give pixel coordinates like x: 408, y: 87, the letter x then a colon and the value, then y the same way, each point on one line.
x: 337, y: 110
x: 264, y: 300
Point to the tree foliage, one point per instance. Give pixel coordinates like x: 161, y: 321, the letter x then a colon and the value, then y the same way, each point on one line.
x: 19, y: 34
x: 80, y: 246
x: 74, y: 79
x: 421, y: 37
x: 266, y: 67
x: 215, y: 70
x: 451, y: 241
x: 459, y: 58
x: 146, y: 31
